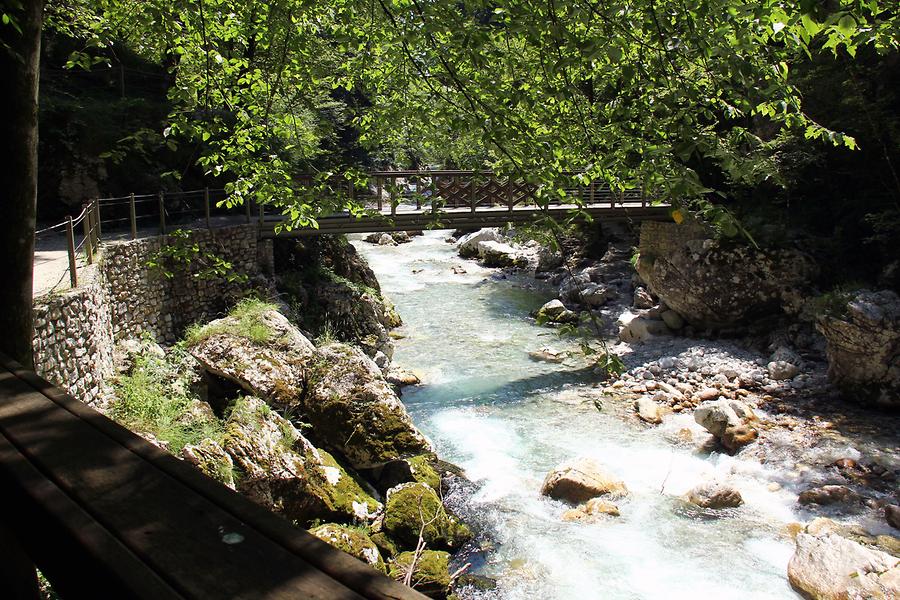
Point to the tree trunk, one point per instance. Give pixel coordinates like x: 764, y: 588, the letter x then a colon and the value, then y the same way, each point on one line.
x: 19, y: 70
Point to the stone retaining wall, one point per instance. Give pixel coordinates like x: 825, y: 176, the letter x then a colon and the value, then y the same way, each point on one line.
x: 122, y: 297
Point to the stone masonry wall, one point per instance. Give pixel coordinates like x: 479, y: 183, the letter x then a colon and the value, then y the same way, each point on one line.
x: 122, y: 297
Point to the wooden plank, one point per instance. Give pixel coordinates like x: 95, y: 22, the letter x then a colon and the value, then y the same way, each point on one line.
x: 177, y: 533
x: 18, y: 578
x: 343, y: 568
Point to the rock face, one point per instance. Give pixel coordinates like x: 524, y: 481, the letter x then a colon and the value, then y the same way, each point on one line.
x: 212, y: 460
x: 714, y: 285
x: 281, y: 470
x: 581, y: 479
x: 730, y: 421
x: 556, y: 312
x: 354, y: 411
x: 499, y: 254
x: 261, y: 352
x: 864, y: 347
x: 352, y: 541
x: 714, y: 495
x: 830, y: 567
x: 414, y: 508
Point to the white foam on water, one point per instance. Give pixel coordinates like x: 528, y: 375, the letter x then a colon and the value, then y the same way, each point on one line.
x: 493, y: 411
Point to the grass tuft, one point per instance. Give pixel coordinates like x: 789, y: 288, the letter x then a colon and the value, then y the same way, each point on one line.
x: 246, y: 322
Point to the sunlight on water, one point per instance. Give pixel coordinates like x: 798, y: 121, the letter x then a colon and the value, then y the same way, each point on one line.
x: 508, y: 420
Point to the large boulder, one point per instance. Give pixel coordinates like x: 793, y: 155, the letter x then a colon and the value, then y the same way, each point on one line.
x: 430, y: 572
x: 715, y: 284
x: 414, y: 509
x: 257, y: 348
x: 354, y: 411
x: 863, y: 337
x: 280, y: 469
x: 499, y: 254
x: 581, y: 479
x: 468, y: 245
x: 353, y: 541
x: 212, y: 460
x: 830, y: 567
x: 730, y: 421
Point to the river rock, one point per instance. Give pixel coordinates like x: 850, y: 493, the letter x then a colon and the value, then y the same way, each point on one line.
x: 591, y: 511
x: 499, y: 254
x: 467, y: 246
x: 892, y: 515
x: 401, y: 377
x: 547, y: 354
x: 262, y: 352
x: 353, y: 410
x: 556, y: 312
x: 830, y: 567
x: 431, y: 572
x: 281, y: 470
x: 829, y: 494
x: 642, y: 298
x: 353, y: 541
x: 649, y: 411
x: 714, y: 284
x: 422, y: 469
x: 633, y: 328
x: 714, y: 495
x: 780, y: 370
x: 672, y: 319
x: 863, y: 347
x: 414, y: 508
x: 729, y: 421
x: 581, y: 479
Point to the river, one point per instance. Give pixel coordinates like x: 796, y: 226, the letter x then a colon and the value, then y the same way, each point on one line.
x: 508, y: 420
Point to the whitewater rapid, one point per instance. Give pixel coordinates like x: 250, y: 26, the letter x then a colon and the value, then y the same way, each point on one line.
x: 508, y: 420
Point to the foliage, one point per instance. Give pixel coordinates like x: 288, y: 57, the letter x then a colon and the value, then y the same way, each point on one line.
x: 182, y: 253
x: 678, y: 98
x: 245, y: 322
x: 156, y: 398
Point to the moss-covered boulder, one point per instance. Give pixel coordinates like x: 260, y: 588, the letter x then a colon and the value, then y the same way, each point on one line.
x: 386, y: 545
x: 278, y: 468
x: 353, y: 541
x: 257, y: 348
x: 353, y: 410
x: 430, y: 573
x: 212, y: 460
x: 419, y: 468
x: 414, y: 508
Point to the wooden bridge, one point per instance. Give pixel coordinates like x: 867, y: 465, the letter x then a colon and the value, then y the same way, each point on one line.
x: 408, y: 200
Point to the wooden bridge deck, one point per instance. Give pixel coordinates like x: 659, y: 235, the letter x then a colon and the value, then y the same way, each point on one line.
x: 105, y: 514
x: 408, y: 217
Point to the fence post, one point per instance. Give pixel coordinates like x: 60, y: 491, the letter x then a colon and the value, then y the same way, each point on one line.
x: 248, y: 209
x: 133, y: 218
x: 591, y: 196
x: 262, y: 212
x: 162, y: 214
x: 393, y: 202
x: 97, y: 222
x: 206, y: 206
x: 86, y: 223
x: 509, y: 192
x: 472, y: 183
x: 70, y: 239
x: 378, y: 192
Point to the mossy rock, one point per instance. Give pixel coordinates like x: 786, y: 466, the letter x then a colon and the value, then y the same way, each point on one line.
x: 404, y: 470
x: 352, y: 540
x: 431, y: 573
x: 354, y: 411
x: 409, y: 506
x: 386, y: 545
x: 345, y: 491
x: 212, y: 460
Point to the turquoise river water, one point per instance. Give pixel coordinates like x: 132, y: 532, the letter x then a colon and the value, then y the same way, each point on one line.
x: 508, y: 420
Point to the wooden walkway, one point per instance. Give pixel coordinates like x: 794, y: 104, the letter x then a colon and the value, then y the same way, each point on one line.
x: 105, y: 514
